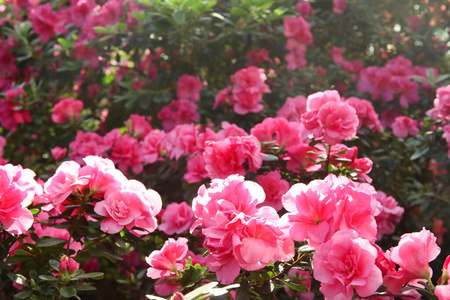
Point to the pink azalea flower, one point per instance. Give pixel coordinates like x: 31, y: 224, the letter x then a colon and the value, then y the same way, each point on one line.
x: 169, y: 260
x: 196, y: 169
x: 281, y: 131
x: 46, y: 22
x: 127, y: 206
x: 68, y: 264
x: 274, y: 187
x: 178, y: 112
x: 337, y: 54
x: 414, y: 252
x: 58, y: 153
x: 151, y: 146
x: 248, y: 89
x: 67, y: 109
x: 339, y: 6
x: 177, y: 218
x: 189, y: 88
x: 86, y: 54
x: 80, y: 9
x: 139, y: 126
x: 404, y: 126
x: 365, y: 111
x: 125, y: 151
x: 298, y: 29
x: 346, y: 264
x: 304, y: 8
x: 223, y: 158
x: 17, y: 191
x: 390, y: 214
x: 293, y: 108
x: 257, y: 57
x: 182, y: 140
x: 12, y: 114
x: 88, y: 143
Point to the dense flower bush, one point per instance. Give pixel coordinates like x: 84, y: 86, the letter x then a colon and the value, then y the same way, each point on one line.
x: 243, y: 149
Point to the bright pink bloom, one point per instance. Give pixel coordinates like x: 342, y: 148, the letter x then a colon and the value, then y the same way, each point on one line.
x: 125, y: 151
x: 139, y: 126
x: 229, y: 130
x: 68, y: 264
x: 86, y: 54
x: 12, y: 114
x: 346, y: 264
x: 304, y: 8
x: 248, y: 89
x: 237, y: 234
x: 189, y: 88
x: 339, y: 6
x: 151, y: 146
x: 65, y: 181
x: 182, y: 140
x: 389, y: 214
x: 339, y: 120
x: 88, y: 143
x: 58, y: 153
x: 337, y: 54
x: 442, y: 291
x: 274, y: 187
x: 177, y: 218
x: 80, y: 9
x: 196, y: 169
x: 2, y: 147
x: 365, y: 111
x: 301, y: 157
x: 67, y: 109
x: 281, y: 131
x: 404, y: 126
x: 317, y: 100
x: 17, y: 191
x: 222, y: 97
x: 293, y: 108
x: 178, y: 112
x: 227, y: 157
x: 169, y: 260
x: 128, y: 206
x: 46, y: 22
x: 296, y: 56
x: 298, y: 29
x: 414, y: 252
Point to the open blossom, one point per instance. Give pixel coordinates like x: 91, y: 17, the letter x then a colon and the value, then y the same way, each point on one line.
x: 442, y: 291
x: 130, y: 205
x: 124, y: 151
x: 151, y: 147
x: 415, y: 251
x: 365, y: 111
x: 317, y: 210
x: 179, y: 111
x: 237, y: 233
x: 12, y: 114
x: 256, y: 57
x: 345, y: 265
x: 337, y: 55
x: 281, y: 131
x: 182, y: 140
x: 274, y: 187
x: 46, y: 22
x: 17, y: 191
x: 248, y: 89
x: 169, y: 260
x: 404, y: 126
x: 298, y: 29
x: 293, y: 108
x: 177, y: 218
x: 189, y: 88
x: 304, y: 8
x: 223, y: 158
x: 139, y: 126
x: 89, y: 143
x: 339, y: 6
x: 58, y: 153
x: 66, y: 110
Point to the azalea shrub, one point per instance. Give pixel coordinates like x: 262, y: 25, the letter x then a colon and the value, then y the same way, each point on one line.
x: 243, y: 149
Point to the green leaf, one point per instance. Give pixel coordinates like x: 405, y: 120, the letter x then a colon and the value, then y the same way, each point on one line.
x: 419, y: 153
x: 54, y: 264
x: 97, y: 275
x: 47, y: 278
x: 24, y: 294
x: 68, y: 291
x: 179, y: 17
x: 294, y: 286
x: 270, y: 157
x: 64, y: 43
x: 99, y: 29
x: 52, y: 242
x: 239, y: 12
x: 86, y: 288
x: 21, y: 252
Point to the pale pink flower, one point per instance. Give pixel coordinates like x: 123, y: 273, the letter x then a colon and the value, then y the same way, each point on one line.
x: 17, y: 191
x: 339, y: 6
x: 365, y: 111
x: 317, y: 100
x: 345, y: 265
x: 177, y: 218
x: 274, y: 187
x: 169, y: 260
x: 128, y: 206
x: 229, y: 130
x: 189, y: 88
x: 65, y: 181
x: 298, y: 29
x: 58, y: 153
x: 404, y: 126
x: 415, y: 251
